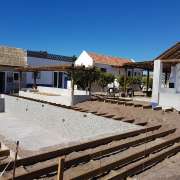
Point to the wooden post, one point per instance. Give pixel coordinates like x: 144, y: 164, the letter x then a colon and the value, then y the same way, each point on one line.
x: 166, y: 77
x: 35, y: 77
x: 20, y: 79
x: 60, y: 168
x: 72, y: 86
x: 90, y: 83
x: 125, y: 80
x: 147, y: 86
x: 15, y: 158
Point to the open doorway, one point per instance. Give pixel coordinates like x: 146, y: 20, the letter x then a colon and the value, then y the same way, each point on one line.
x: 58, y: 79
x: 2, y: 82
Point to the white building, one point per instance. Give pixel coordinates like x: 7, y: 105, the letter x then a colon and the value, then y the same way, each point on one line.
x: 166, y: 79
x: 106, y: 63
x: 49, y: 79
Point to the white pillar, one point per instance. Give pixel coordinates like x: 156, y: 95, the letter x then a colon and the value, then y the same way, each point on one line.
x: 156, y: 82
x: 177, y: 77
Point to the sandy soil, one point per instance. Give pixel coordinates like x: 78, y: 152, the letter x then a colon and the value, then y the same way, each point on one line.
x: 169, y: 168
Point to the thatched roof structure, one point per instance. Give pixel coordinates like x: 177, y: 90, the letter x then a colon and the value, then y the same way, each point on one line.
x: 12, y: 57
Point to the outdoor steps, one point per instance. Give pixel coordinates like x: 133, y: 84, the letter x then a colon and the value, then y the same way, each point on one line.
x: 157, y: 108
x: 143, y: 164
x: 96, y: 168
x: 129, y: 103
x: 104, y: 157
x: 104, y: 142
x: 147, y: 106
x: 167, y: 109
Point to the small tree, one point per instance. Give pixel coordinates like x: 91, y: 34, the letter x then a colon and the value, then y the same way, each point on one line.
x: 144, y: 81
x: 105, y: 79
x: 130, y: 81
x: 83, y: 79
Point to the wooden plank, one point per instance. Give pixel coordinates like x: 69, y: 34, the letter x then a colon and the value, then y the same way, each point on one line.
x: 108, y: 115
x: 147, y: 107
x: 132, y: 170
x: 142, y: 123
x: 119, y: 147
x: 85, y: 158
x: 60, y: 152
x: 5, y: 152
x: 128, y: 120
x: 126, y: 160
x: 117, y: 118
x: 60, y: 172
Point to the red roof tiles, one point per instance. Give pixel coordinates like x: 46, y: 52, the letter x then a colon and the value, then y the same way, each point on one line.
x: 103, y: 59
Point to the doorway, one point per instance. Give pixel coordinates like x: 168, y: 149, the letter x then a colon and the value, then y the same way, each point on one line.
x: 2, y: 82
x: 58, y: 79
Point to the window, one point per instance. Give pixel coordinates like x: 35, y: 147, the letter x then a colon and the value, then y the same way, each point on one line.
x: 129, y: 73
x: 103, y: 69
x: 16, y: 76
x: 135, y: 73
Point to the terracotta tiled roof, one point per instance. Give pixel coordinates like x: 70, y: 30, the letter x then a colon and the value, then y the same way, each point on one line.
x: 103, y: 59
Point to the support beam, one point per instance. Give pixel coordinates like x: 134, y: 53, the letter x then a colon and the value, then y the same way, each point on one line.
x: 125, y: 80
x: 166, y: 77
x: 147, y: 82
x: 20, y: 79
x: 35, y: 78
x: 72, y: 86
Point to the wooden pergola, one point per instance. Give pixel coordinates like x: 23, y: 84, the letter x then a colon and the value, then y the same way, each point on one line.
x: 145, y: 65
x: 66, y: 68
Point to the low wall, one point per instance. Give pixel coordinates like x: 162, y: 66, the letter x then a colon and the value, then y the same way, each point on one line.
x: 61, y: 91
x: 61, y: 96
x: 64, y: 100
x: 169, y: 100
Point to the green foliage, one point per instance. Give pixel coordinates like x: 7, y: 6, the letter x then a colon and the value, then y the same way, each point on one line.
x: 105, y: 79
x: 83, y: 79
x: 144, y: 81
x: 130, y: 81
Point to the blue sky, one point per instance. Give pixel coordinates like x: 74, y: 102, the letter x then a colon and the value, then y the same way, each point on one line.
x: 138, y: 29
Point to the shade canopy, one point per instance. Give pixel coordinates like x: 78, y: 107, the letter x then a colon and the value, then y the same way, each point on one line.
x: 64, y: 67
x: 145, y: 65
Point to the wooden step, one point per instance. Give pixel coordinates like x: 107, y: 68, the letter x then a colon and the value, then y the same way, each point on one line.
x: 65, y: 151
x: 126, y: 160
x: 87, y: 157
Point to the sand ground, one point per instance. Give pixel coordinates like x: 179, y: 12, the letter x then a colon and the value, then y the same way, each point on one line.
x: 169, y: 169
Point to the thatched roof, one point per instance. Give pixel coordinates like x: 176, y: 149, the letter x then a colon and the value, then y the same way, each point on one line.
x: 13, y: 57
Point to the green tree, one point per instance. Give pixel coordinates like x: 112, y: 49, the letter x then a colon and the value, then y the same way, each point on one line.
x: 84, y: 79
x: 130, y: 81
x: 105, y: 79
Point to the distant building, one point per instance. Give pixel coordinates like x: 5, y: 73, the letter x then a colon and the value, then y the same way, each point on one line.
x: 109, y: 64
x: 50, y: 79
x: 11, y: 58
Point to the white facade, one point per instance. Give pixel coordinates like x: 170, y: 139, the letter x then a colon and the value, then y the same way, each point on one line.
x: 45, y: 78
x: 57, y: 95
x: 164, y: 95
x: 86, y: 60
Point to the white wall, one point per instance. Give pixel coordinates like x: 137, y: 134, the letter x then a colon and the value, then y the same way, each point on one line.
x: 156, y: 81
x: 45, y: 76
x: 166, y: 97
x: 84, y: 60
x: 57, y: 95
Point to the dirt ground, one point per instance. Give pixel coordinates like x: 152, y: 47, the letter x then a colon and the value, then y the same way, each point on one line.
x: 169, y: 169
